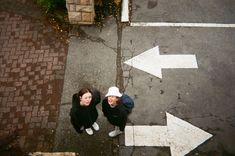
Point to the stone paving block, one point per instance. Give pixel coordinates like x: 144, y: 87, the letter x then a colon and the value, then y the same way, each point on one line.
x: 85, y: 2
x: 29, y: 50
x: 74, y: 17
x: 82, y: 8
x: 72, y: 7
x: 86, y: 16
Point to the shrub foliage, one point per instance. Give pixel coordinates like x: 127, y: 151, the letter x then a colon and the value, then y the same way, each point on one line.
x: 51, y: 5
x: 105, y: 8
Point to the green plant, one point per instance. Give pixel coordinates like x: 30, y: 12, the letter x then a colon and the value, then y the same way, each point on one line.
x: 56, y: 14
x: 51, y: 5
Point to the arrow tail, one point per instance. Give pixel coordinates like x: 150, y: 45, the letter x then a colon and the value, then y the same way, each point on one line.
x: 146, y: 136
x: 178, y: 61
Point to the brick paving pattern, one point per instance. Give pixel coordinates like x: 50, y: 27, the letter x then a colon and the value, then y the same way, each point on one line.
x: 32, y: 62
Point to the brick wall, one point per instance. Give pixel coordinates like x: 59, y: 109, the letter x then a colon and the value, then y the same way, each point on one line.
x: 80, y: 11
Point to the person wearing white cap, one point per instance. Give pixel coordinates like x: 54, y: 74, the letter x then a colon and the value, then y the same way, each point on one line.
x: 115, y: 111
x: 83, y: 112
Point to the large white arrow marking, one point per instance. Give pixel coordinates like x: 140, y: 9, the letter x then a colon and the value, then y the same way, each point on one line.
x: 152, y: 62
x: 179, y: 135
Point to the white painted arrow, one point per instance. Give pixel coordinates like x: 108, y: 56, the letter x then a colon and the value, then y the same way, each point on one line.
x: 179, y: 135
x: 152, y: 62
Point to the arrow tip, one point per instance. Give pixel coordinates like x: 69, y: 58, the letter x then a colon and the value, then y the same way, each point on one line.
x: 183, y: 136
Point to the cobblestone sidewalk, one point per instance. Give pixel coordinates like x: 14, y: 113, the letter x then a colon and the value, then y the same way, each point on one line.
x: 32, y: 60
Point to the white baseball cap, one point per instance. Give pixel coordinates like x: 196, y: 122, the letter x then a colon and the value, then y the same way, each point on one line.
x: 113, y: 91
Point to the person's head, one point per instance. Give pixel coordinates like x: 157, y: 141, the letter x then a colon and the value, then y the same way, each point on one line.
x: 113, y: 96
x: 85, y: 96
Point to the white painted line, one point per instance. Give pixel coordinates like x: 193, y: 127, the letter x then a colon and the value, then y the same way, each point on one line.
x: 146, y: 136
x: 152, y: 62
x: 125, y: 11
x: 165, y: 24
x: 179, y: 135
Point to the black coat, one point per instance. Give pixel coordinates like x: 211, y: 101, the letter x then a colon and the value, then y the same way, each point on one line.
x: 116, y: 116
x: 84, y: 115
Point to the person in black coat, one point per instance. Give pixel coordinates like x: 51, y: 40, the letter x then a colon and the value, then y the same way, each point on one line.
x: 115, y: 111
x: 83, y: 112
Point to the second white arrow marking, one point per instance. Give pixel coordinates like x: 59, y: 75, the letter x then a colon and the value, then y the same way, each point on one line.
x: 179, y: 135
x: 152, y: 62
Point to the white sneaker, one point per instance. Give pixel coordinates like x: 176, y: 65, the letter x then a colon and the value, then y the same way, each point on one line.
x: 95, y: 126
x: 115, y: 133
x: 89, y: 131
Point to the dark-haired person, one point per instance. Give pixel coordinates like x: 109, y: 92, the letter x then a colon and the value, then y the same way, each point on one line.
x: 83, y: 112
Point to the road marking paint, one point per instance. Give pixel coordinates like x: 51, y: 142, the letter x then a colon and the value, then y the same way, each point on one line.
x: 166, y: 24
x: 181, y: 136
x: 125, y: 11
x: 152, y: 62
